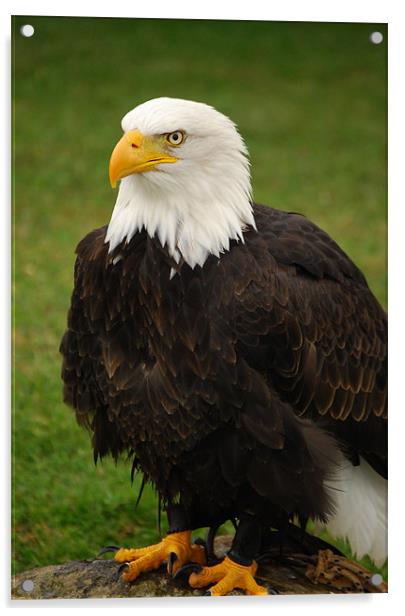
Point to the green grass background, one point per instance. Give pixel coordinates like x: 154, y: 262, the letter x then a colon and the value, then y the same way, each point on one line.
x: 310, y: 100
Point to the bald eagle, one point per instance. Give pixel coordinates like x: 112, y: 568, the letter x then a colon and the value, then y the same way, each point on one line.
x: 232, y: 349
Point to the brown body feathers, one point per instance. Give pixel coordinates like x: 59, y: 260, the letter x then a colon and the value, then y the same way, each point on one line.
x: 230, y: 383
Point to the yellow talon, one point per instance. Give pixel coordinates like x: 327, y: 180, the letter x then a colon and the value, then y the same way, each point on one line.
x: 151, y: 557
x: 228, y: 575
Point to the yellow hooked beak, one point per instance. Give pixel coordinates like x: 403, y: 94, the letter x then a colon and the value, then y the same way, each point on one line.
x: 136, y: 153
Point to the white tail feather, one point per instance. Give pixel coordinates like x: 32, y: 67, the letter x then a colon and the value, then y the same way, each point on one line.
x: 360, y: 496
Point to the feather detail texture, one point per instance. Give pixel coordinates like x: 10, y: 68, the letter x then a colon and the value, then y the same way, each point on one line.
x: 237, y: 384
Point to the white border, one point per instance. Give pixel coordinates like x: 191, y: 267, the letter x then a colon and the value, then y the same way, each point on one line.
x: 289, y: 10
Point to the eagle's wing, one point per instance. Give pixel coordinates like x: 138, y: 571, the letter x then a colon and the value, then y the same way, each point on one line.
x: 86, y: 357
x: 303, y: 314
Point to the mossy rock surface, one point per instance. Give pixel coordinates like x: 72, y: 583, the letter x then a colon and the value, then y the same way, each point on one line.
x: 99, y: 578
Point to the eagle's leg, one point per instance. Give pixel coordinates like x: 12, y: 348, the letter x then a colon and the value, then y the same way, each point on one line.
x: 238, y: 568
x: 176, y: 549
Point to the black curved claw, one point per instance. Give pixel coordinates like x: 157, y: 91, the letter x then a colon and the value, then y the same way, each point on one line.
x: 272, y: 591
x: 185, y: 571
x: 207, y: 593
x: 200, y: 541
x: 208, y: 545
x: 170, y: 562
x: 121, y: 568
x: 108, y: 548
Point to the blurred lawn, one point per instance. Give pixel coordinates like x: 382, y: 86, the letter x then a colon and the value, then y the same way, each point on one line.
x: 310, y: 100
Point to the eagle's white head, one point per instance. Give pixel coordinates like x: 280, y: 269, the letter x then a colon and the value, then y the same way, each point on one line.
x: 184, y: 177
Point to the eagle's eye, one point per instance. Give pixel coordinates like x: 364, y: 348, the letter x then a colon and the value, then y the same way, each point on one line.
x: 175, y: 138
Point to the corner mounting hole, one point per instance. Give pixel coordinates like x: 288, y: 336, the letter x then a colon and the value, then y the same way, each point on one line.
x: 376, y: 579
x: 28, y: 585
x: 27, y: 30
x: 376, y: 38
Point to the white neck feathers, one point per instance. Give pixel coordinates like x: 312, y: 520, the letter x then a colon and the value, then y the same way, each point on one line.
x: 192, y: 214
x: 197, y: 205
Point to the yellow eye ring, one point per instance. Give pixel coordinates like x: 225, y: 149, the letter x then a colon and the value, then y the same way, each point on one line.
x: 175, y: 138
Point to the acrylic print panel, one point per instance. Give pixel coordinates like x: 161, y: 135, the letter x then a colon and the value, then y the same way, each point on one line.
x: 230, y: 356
